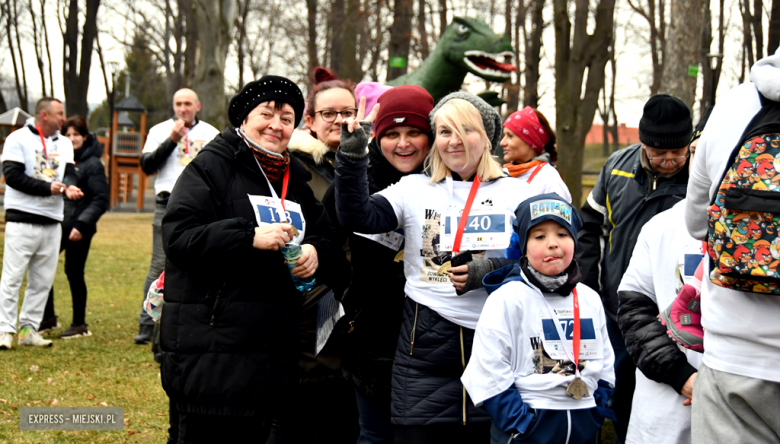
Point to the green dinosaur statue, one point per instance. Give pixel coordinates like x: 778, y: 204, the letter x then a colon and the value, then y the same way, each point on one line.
x: 467, y: 46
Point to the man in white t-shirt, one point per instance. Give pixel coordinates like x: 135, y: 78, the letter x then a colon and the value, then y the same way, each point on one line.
x: 737, y: 390
x: 170, y: 147
x: 38, y: 168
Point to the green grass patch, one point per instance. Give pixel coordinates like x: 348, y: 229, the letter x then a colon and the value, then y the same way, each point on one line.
x: 106, y: 368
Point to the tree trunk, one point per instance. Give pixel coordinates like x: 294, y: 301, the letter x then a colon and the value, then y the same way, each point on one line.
x: 706, y: 43
x: 758, y: 27
x: 773, y: 37
x: 215, y: 19
x: 38, y: 47
x: 75, y: 71
x: 48, y: 51
x: 576, y: 52
x: 192, y: 42
x: 241, y: 18
x: 424, y: 48
x: 655, y: 16
x: 442, y: 17
x: 682, y: 50
x: 311, y: 44
x: 747, y: 33
x: 21, y: 53
x: 337, y: 21
x: 21, y: 94
x: 400, y: 38
x: 533, y: 55
x: 349, y: 62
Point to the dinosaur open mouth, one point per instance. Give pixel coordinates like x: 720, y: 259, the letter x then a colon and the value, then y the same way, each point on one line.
x: 493, y: 65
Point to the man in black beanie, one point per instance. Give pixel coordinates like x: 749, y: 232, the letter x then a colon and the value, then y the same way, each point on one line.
x: 635, y: 184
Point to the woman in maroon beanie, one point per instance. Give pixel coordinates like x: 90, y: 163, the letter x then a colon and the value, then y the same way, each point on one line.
x: 375, y: 298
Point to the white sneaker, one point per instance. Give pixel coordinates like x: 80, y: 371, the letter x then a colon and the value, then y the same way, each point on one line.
x: 6, y: 341
x: 28, y: 336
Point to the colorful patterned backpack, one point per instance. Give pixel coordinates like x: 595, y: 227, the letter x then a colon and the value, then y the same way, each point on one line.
x: 744, y: 216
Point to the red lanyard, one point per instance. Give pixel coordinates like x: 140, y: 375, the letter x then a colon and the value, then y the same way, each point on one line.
x: 285, y: 182
x: 43, y: 142
x: 187, y: 143
x: 464, y: 217
x: 576, y: 332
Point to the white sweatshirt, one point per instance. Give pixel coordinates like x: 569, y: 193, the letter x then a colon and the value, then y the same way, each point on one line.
x: 741, y: 330
x: 509, y: 350
x: 665, y: 257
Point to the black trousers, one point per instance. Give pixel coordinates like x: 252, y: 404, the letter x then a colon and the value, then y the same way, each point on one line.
x: 195, y: 428
x: 443, y: 433
x: 75, y: 259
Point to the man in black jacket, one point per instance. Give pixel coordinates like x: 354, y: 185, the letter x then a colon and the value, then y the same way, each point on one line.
x: 38, y: 169
x: 170, y: 146
x: 635, y: 184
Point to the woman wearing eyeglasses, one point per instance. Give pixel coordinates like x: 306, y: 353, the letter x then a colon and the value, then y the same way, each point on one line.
x: 330, y: 102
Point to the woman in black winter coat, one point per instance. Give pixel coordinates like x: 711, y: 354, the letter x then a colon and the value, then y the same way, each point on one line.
x: 375, y: 298
x: 80, y: 223
x: 230, y: 334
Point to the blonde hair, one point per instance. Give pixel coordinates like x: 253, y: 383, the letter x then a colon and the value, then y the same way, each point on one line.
x: 459, y: 114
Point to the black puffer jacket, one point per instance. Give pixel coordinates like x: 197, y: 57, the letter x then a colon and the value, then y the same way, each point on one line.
x: 653, y: 352
x: 83, y: 214
x: 367, y: 359
x: 230, y: 334
x: 625, y: 197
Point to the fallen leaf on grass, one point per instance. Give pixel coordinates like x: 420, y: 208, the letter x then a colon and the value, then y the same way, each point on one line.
x: 5, y: 413
x: 54, y: 402
x: 64, y: 372
x: 90, y: 397
x: 103, y: 404
x: 3, y: 401
x: 161, y: 414
x: 16, y: 377
x: 127, y: 421
x: 118, y: 326
x: 29, y: 379
x: 49, y: 380
x: 36, y: 402
x: 132, y: 432
x: 33, y: 368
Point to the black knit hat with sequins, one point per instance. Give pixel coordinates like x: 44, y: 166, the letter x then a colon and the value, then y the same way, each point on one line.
x: 276, y: 88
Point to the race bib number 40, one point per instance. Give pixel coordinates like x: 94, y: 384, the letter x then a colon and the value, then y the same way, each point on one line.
x: 486, y: 229
x: 267, y: 212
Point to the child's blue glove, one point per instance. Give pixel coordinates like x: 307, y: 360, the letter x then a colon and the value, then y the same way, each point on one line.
x: 602, y: 400
x: 508, y: 411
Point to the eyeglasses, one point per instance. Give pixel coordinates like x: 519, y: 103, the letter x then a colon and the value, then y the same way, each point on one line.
x: 329, y: 115
x: 660, y: 160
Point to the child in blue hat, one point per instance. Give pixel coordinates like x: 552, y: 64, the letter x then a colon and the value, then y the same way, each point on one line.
x: 536, y: 387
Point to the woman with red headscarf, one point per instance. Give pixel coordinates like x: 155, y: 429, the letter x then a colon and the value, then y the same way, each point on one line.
x: 530, y: 151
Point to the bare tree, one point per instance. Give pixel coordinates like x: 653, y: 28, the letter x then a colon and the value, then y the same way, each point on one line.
x: 421, y: 29
x: 38, y: 46
x: 443, y: 21
x: 76, y: 69
x: 400, y: 37
x: 311, y: 43
x: 21, y: 84
x: 578, y: 52
x: 711, y: 83
x: 773, y: 35
x: 243, y: 7
x: 533, y: 53
x: 654, y: 13
x: 336, y: 23
x: 682, y: 50
x: 215, y: 19
x: 349, y: 62
x: 48, y: 51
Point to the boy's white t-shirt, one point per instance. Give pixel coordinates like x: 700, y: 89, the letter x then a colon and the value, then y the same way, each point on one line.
x: 665, y: 257
x: 508, y: 349
x: 547, y: 180
x: 199, y: 135
x: 420, y: 208
x: 24, y: 146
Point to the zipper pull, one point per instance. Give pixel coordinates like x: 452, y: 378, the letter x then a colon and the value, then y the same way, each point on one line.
x: 211, y: 323
x: 412, y: 349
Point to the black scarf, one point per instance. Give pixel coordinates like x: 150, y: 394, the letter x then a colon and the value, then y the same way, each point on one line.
x: 562, y: 284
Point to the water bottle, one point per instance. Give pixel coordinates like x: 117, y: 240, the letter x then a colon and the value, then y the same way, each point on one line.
x: 292, y: 253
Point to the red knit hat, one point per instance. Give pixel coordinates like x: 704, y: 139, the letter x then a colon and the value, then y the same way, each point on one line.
x: 405, y: 105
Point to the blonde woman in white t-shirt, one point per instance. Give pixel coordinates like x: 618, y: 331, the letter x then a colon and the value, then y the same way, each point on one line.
x: 444, y: 289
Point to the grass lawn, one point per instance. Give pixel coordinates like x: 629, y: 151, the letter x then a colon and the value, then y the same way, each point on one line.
x: 106, y: 368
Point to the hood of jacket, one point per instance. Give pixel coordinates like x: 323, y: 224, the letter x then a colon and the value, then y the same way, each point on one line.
x: 766, y: 75
x: 302, y: 142
x: 230, y: 145
x: 91, y: 148
x: 495, y: 279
